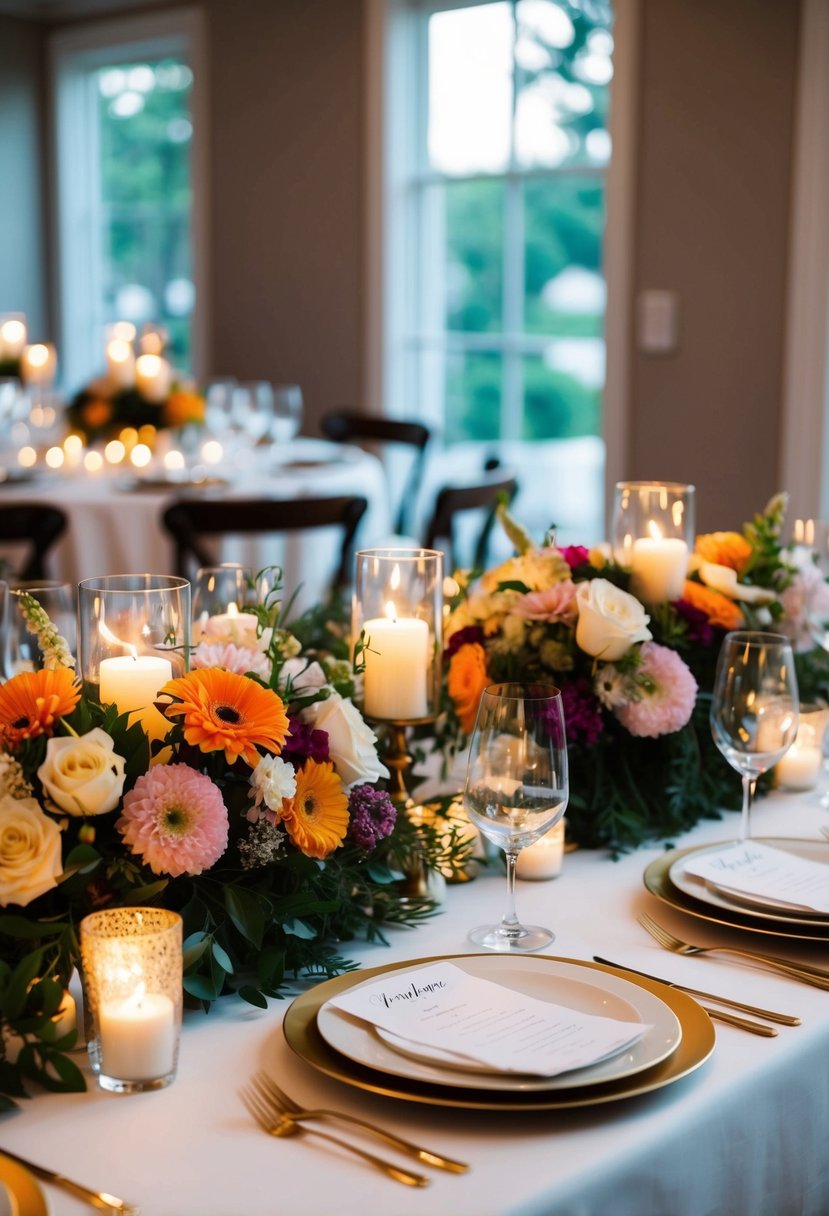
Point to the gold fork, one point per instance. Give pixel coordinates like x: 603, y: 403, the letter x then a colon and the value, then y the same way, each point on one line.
x: 286, y: 1107
x: 798, y: 971
x: 284, y: 1125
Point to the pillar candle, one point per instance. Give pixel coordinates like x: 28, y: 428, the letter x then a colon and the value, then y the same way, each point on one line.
x: 132, y: 683
x: 396, y: 672
x: 138, y: 1037
x: 799, y: 768
x: 658, y: 568
x: 39, y: 363
x: 543, y: 859
x: 120, y: 364
x: 12, y: 336
x: 152, y: 377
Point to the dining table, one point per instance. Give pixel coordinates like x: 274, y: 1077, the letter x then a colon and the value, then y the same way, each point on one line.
x: 738, y: 1127
x: 114, y: 513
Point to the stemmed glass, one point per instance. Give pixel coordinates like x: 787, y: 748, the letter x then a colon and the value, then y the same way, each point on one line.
x: 754, y: 708
x: 287, y: 412
x: 516, y: 789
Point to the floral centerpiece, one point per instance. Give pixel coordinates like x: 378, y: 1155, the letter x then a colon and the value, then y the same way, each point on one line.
x: 636, y: 684
x: 258, y: 817
x: 102, y: 410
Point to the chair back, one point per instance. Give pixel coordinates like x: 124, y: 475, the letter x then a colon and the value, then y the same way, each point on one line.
x: 39, y: 527
x: 368, y: 430
x: 451, y: 502
x: 190, y: 522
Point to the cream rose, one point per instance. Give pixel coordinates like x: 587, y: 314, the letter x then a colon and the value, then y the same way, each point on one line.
x: 82, y: 774
x: 352, y: 744
x: 30, y: 851
x: 610, y: 620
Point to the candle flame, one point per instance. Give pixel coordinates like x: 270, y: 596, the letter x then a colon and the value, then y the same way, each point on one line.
x: 136, y: 997
x: 391, y: 611
x: 655, y: 530
x: 38, y: 355
x: 118, y: 350
x: 108, y: 636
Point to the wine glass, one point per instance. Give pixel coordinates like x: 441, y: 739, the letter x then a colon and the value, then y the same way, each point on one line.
x: 516, y: 789
x: 20, y: 649
x: 287, y: 412
x: 754, y: 707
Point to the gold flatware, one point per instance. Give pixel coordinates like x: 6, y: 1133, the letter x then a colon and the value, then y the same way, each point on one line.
x: 797, y: 971
x: 785, y: 1019
x: 285, y: 1125
x: 97, y: 1199
x: 732, y: 1019
x: 287, y: 1107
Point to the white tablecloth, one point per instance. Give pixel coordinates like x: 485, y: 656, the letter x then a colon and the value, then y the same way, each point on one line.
x: 115, y: 523
x: 744, y: 1135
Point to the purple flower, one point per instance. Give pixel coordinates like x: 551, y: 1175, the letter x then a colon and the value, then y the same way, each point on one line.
x: 467, y: 635
x: 700, y: 629
x: 305, y: 742
x: 575, y: 555
x: 582, y: 715
x: 373, y: 816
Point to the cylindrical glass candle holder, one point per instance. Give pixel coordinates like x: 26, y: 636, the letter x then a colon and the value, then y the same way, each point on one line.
x: 21, y: 647
x: 219, y: 593
x: 134, y: 636
x: 131, y: 961
x: 653, y: 535
x: 800, y: 768
x: 397, y: 610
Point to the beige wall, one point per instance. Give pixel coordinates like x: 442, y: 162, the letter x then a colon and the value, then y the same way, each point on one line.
x: 714, y: 163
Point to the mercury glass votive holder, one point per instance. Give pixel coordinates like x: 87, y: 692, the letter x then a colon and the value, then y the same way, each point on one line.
x: 652, y: 535
x: 133, y: 636
x: 397, y: 611
x: 131, y: 962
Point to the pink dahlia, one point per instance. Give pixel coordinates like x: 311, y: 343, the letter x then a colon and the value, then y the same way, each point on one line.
x: 176, y: 819
x: 668, y: 696
x: 240, y: 659
x: 556, y: 603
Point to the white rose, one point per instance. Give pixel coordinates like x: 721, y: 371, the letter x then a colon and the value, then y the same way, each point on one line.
x: 352, y: 744
x: 82, y: 774
x: 610, y: 620
x: 305, y: 677
x: 30, y: 851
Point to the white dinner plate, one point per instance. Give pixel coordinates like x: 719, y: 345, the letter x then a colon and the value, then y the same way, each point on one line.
x: 734, y: 901
x: 561, y: 983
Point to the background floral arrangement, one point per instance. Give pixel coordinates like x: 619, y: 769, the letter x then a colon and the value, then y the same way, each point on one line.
x: 257, y: 817
x: 636, y: 684
x: 100, y: 411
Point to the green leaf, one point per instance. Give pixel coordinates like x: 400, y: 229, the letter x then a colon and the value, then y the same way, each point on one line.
x: 253, y: 996
x: 247, y: 913
x: 200, y: 986
x: 17, y: 990
x: 383, y: 874
x: 193, y: 949
x: 298, y: 928
x: 222, y: 958
x: 18, y: 926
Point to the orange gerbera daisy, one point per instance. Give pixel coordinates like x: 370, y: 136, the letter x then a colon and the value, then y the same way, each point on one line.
x: 467, y: 680
x: 33, y: 701
x: 223, y: 711
x: 316, y: 818
x: 720, y: 610
x: 723, y: 549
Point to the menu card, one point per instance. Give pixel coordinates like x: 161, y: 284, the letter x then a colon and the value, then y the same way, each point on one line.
x: 442, y: 1006
x: 751, y: 868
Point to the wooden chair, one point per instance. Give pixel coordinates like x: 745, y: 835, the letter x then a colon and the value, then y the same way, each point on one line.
x: 36, y: 525
x: 452, y: 501
x: 367, y: 430
x: 190, y: 521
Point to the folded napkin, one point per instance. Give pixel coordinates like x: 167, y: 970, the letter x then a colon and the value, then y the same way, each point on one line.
x: 441, y: 1006
x: 754, y: 869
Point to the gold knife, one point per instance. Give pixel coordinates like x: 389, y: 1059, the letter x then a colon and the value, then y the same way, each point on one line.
x: 98, y: 1199
x: 785, y: 1019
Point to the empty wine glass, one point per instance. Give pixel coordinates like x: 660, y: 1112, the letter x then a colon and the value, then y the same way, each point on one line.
x: 516, y: 789
x: 253, y: 411
x: 287, y: 412
x: 20, y: 649
x: 754, y: 707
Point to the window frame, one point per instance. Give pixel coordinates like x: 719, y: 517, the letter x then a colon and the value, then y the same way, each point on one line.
x: 73, y: 54
x: 392, y: 137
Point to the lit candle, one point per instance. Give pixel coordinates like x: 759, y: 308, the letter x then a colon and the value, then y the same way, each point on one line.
x: 120, y: 363
x: 12, y: 336
x: 800, y: 767
x: 38, y: 363
x: 543, y: 859
x: 137, y: 1036
x: 397, y: 662
x: 658, y: 566
x: 132, y: 683
x: 152, y: 377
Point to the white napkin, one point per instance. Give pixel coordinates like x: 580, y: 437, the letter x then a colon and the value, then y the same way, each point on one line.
x: 756, y: 869
x: 442, y: 1006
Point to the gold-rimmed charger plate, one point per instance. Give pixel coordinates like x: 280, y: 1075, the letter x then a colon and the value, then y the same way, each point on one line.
x: 305, y: 1040
x: 26, y: 1197
x: 657, y: 880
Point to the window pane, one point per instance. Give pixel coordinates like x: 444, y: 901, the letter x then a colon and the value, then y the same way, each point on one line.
x: 564, y: 287
x: 562, y: 390
x: 472, y: 221
x: 563, y: 67
x: 473, y: 396
x: 470, y: 89
x: 145, y: 138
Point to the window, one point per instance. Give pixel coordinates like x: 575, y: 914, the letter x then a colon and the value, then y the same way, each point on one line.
x: 497, y: 154
x: 125, y: 121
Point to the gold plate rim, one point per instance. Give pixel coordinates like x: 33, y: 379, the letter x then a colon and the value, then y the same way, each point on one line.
x: 23, y: 1187
x: 299, y: 1028
x: 657, y: 881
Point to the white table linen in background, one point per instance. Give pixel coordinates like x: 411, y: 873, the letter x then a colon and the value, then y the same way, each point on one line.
x: 744, y: 1135
x: 117, y: 529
